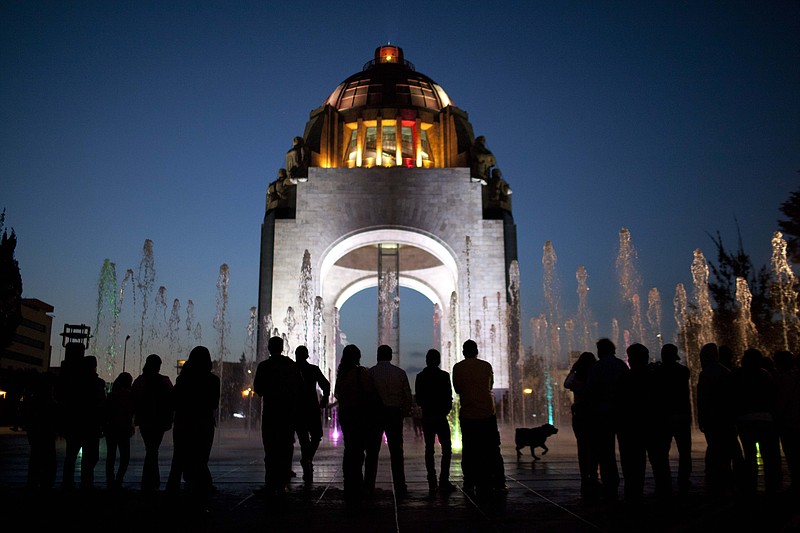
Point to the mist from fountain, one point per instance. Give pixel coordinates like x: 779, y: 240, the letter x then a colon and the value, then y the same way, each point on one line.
x: 748, y: 335
x: 305, y: 296
x: 787, y: 298
x: 584, y: 314
x: 104, y: 340
x: 705, y: 314
x: 174, y: 328
x: 630, y: 283
x: 654, y: 317
x: 552, y: 346
x: 145, y: 282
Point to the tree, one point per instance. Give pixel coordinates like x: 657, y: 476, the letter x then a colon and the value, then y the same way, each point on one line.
x: 722, y: 287
x: 10, y: 285
x: 791, y: 226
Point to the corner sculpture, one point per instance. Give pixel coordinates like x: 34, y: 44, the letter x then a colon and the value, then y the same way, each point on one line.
x: 277, y: 191
x: 482, y: 160
x: 297, y: 160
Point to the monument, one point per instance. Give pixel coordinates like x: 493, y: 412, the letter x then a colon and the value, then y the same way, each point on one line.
x: 389, y: 187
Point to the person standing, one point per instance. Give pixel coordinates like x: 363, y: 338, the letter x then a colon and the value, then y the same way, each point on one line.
x: 355, y: 394
x: 394, y: 391
x: 118, y: 429
x: 673, y: 379
x: 92, y: 396
x: 153, y: 413
x: 481, y: 459
x: 196, y: 393
x: 279, y: 384
x: 755, y: 397
x: 309, y: 425
x: 717, y: 421
x: 41, y: 423
x: 603, y: 389
x: 434, y: 396
x: 582, y: 423
x: 643, y: 428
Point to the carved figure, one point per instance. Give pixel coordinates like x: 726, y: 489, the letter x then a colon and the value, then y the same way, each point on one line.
x: 297, y: 159
x: 500, y: 191
x: 277, y: 190
x: 482, y: 159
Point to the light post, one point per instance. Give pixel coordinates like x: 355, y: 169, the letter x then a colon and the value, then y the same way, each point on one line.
x: 125, y: 351
x: 525, y: 392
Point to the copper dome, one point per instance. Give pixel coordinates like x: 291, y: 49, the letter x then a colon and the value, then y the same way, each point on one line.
x: 388, y: 81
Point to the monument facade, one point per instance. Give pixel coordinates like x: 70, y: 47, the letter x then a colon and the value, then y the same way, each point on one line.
x: 388, y: 187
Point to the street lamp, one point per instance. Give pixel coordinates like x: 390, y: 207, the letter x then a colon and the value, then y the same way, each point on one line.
x: 526, y: 392
x: 125, y: 351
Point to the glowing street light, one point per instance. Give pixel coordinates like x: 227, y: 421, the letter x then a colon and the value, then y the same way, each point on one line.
x: 125, y: 351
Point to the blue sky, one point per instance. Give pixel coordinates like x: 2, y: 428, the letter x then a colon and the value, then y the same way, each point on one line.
x: 126, y: 121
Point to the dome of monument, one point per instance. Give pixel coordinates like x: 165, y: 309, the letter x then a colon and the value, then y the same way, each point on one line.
x: 388, y: 81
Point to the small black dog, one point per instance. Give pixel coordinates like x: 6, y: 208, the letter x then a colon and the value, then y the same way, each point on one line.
x: 533, y: 437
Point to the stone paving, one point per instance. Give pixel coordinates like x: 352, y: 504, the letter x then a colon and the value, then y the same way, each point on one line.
x: 543, y: 496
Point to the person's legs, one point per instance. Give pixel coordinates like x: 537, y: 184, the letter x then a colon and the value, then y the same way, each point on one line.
x: 394, y: 438
x: 429, y: 434
x: 151, y: 477
x: 70, y: 459
x: 111, y: 459
x: 124, y: 459
x: 90, y: 456
x: 374, y: 439
x: 682, y: 432
x: 443, y: 433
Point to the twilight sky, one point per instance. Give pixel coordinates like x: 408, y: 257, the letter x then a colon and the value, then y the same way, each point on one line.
x: 126, y: 121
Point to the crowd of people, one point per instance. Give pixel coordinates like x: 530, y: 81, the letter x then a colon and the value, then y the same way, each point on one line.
x: 745, y: 411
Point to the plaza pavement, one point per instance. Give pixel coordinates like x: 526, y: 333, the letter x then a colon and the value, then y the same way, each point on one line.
x: 543, y: 496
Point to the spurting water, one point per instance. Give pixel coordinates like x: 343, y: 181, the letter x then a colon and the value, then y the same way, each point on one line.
x: 630, y: 284
x: 107, y: 323
x: 748, y: 336
x: 553, y: 344
x: 705, y: 314
x: 654, y: 317
x: 145, y: 282
x: 305, y: 295
x: 584, y: 314
x: 787, y: 301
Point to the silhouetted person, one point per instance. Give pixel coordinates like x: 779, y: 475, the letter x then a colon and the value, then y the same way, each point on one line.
x: 154, y: 411
x: 40, y: 413
x: 481, y: 459
x: 309, y: 422
x: 755, y: 397
x: 279, y: 383
x: 435, y: 398
x: 582, y: 422
x: 92, y: 395
x: 196, y: 395
x: 674, y: 380
x: 787, y: 411
x: 715, y: 417
x: 391, y: 384
x: 603, y: 389
x: 118, y: 429
x: 643, y: 427
x: 356, y: 396
x: 68, y: 389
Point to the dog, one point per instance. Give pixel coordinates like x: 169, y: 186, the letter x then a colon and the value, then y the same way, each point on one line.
x: 535, y: 438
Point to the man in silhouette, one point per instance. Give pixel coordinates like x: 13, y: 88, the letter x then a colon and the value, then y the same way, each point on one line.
x: 435, y: 398
x: 603, y: 388
x: 391, y: 384
x: 279, y: 383
x: 309, y: 423
x: 481, y: 460
x: 673, y: 379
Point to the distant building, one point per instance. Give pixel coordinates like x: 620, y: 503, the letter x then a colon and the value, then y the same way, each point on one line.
x: 30, y: 349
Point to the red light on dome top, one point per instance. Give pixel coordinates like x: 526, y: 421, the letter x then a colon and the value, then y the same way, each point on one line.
x: 388, y: 54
